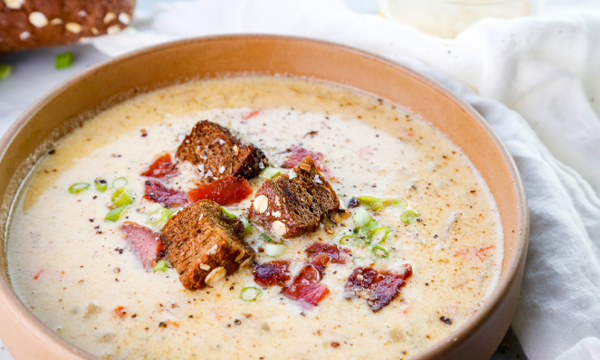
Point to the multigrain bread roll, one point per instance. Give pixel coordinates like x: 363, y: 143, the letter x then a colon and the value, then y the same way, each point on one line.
x: 26, y: 24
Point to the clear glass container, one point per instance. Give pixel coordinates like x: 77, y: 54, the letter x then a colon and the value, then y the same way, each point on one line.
x: 447, y: 18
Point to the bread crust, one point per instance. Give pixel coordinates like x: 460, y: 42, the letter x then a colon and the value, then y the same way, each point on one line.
x: 26, y: 24
x: 200, y: 240
x: 294, y: 203
x: 219, y: 153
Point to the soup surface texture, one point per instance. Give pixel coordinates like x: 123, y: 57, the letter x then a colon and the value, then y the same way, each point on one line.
x: 81, y: 278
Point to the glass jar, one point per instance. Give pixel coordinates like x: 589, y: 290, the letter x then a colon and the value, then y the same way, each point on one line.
x: 447, y: 18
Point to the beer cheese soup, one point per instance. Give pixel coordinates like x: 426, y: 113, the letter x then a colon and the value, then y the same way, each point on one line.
x: 411, y: 254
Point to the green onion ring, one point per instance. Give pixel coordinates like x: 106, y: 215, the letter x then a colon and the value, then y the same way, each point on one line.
x: 119, y: 182
x: 380, y: 251
x: 121, y: 197
x: 154, y: 218
x: 160, y: 266
x: 101, y: 184
x: 371, y: 202
x: 114, y: 214
x: 78, y: 187
x: 409, y: 216
x: 228, y: 213
x: 250, y: 293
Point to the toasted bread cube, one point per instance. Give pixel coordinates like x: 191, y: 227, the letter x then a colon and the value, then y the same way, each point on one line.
x: 294, y: 203
x: 204, y: 245
x: 218, y: 154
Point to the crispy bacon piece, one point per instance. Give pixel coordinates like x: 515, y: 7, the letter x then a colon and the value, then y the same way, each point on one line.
x: 377, y: 288
x: 120, y: 312
x: 252, y: 114
x: 161, y: 168
x: 271, y: 273
x: 336, y: 254
x: 224, y: 191
x: 157, y: 192
x: 297, y: 154
x: 146, y: 244
x: 306, y: 287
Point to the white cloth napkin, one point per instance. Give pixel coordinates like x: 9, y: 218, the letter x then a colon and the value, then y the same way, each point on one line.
x: 536, y: 81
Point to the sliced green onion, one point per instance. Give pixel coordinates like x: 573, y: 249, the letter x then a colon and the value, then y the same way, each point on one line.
x: 361, y: 217
x: 115, y: 214
x: 370, y: 225
x: 377, y: 235
x: 121, y: 197
x: 119, y: 182
x: 100, y: 184
x: 160, y: 266
x: 271, y: 172
x: 274, y: 249
x: 78, y: 187
x: 398, y: 203
x: 380, y: 251
x: 266, y: 237
x: 250, y: 293
x: 247, y: 228
x: 371, y: 202
x: 348, y: 240
x: 64, y: 60
x: 171, y: 213
x: 409, y: 216
x: 158, y: 216
x: 227, y: 213
x: 5, y: 70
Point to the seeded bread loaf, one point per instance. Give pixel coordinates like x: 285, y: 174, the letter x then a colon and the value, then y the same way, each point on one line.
x: 295, y: 202
x: 26, y: 24
x: 204, y: 245
x: 218, y: 154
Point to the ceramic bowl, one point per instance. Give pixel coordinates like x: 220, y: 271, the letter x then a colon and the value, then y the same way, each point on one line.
x: 27, y: 338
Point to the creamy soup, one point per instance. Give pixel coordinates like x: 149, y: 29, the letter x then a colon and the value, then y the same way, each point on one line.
x: 81, y: 278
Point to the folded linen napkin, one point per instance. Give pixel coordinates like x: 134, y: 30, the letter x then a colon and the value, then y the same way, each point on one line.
x: 536, y: 81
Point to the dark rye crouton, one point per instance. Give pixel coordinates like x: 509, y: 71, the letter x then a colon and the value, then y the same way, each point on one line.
x: 217, y: 153
x: 295, y: 202
x: 204, y: 245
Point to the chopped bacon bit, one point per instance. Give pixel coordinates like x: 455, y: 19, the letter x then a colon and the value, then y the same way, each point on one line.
x: 271, y: 273
x: 308, y: 293
x: 336, y: 254
x: 157, y: 192
x: 377, y: 288
x: 162, y: 167
x: 252, y: 114
x: 225, y: 191
x: 306, y: 287
x: 38, y: 274
x: 146, y: 244
x: 120, y: 312
x: 297, y: 154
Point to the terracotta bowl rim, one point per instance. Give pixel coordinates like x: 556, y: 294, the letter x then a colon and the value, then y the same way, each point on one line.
x: 15, y: 306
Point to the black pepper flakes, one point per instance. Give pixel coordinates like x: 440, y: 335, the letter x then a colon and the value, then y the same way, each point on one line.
x: 162, y: 325
x: 446, y: 320
x: 237, y: 322
x: 353, y: 202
